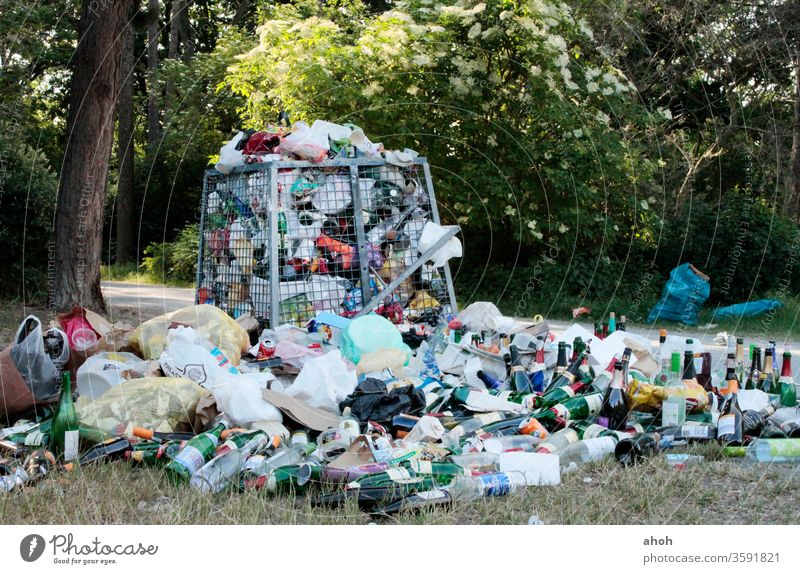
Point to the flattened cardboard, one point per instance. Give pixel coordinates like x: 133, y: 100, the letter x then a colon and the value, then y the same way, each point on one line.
x: 312, y: 417
x: 358, y: 453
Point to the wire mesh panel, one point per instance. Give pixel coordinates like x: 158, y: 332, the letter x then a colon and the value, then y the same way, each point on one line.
x: 288, y: 239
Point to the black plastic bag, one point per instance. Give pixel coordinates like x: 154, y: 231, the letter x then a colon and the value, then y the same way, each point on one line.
x: 371, y: 402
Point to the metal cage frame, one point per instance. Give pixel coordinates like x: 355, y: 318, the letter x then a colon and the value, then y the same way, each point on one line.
x: 365, y: 276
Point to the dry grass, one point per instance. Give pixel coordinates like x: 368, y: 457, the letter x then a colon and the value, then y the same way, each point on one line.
x: 716, y: 492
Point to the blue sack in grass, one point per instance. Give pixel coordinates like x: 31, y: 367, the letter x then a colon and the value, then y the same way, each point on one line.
x: 749, y: 309
x: 683, y: 295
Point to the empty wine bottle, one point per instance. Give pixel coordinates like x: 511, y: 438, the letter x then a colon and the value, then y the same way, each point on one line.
x: 587, y: 429
x: 740, y: 375
x: 766, y: 378
x: 64, y: 435
x: 488, y: 380
x: 224, y: 469
x: 785, y: 387
x: 195, y: 454
x: 519, y: 378
x: 580, y: 407
x: 730, y: 428
x: 561, y: 363
x: 731, y: 383
x: 558, y: 441
x: 538, y: 371
x: 147, y: 434
x: 622, y: 323
x: 602, y: 380
x: 368, y: 498
x: 755, y: 369
x: 111, y: 449
x: 569, y: 375
x: 615, y: 402
x: 753, y: 422
x: 417, y: 501
x: 634, y: 449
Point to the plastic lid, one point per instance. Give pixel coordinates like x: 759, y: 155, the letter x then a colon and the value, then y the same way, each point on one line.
x: 142, y: 432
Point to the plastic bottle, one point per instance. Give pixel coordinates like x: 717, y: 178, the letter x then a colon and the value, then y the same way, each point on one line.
x: 477, y: 462
x: 514, y: 442
x: 558, y: 440
x: 495, y: 484
x: 768, y: 450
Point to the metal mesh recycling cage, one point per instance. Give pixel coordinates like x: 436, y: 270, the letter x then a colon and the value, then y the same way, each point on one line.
x: 288, y: 239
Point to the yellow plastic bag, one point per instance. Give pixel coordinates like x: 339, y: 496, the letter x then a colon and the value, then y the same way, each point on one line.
x: 645, y: 397
x: 162, y: 404
x: 212, y: 323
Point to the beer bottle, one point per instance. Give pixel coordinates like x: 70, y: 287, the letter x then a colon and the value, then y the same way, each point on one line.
x: 662, y: 339
x: 417, y: 501
x: 147, y: 434
x: 730, y: 427
x: 634, y: 449
x: 755, y: 369
x: 786, y: 387
x: 519, y: 378
x: 195, y: 454
x: 615, y: 402
x: 622, y: 321
x: 64, y: 436
x: 689, y: 374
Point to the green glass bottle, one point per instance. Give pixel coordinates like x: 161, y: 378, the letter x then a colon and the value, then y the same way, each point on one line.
x: 36, y: 436
x: 588, y: 429
x: 785, y: 386
x: 64, y: 436
x: 580, y: 407
x: 442, y: 472
x: 556, y: 396
x: 755, y: 368
x: 195, y: 454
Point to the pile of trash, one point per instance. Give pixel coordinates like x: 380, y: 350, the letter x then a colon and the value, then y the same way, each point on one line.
x: 343, y: 230
x: 394, y: 416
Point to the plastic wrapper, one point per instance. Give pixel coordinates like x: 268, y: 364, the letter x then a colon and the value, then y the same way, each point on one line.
x: 645, y: 397
x: 212, y: 323
x: 158, y: 403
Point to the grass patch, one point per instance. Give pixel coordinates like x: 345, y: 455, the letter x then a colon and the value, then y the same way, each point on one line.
x: 132, y: 273
x: 603, y: 493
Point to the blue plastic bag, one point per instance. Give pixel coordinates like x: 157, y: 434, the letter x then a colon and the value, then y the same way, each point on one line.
x: 682, y: 297
x: 749, y: 309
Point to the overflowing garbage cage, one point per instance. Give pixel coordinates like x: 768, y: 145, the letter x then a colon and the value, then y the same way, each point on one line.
x: 286, y: 240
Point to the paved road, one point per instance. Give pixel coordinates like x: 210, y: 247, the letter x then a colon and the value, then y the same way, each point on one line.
x: 150, y: 300
x: 146, y: 300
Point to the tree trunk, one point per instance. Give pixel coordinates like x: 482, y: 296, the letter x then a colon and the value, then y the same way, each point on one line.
x: 241, y: 11
x: 793, y: 203
x: 90, y: 133
x: 153, y: 104
x: 172, y: 51
x: 185, y: 31
x: 125, y: 154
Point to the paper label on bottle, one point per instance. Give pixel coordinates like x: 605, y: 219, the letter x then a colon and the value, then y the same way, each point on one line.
x: 569, y: 376
x: 398, y: 474
x: 537, y: 367
x: 34, y: 438
x: 423, y: 466
x: 560, y: 411
x: 593, y: 431
x: 569, y: 390
x: 595, y: 403
x: 600, y: 447
x: 190, y: 458
x: 487, y: 418
x: 670, y: 413
x: 432, y: 494
x: 497, y: 484
x: 726, y: 425
x: 694, y: 431
x: 71, y: 439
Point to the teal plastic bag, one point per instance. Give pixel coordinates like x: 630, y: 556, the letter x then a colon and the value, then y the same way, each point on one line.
x: 682, y: 297
x: 371, y: 333
x: 749, y: 309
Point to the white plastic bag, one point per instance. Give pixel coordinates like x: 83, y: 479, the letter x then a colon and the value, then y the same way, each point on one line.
x: 229, y: 156
x: 102, y: 371
x: 189, y: 356
x: 305, y: 143
x: 430, y: 235
x: 240, y: 397
x: 38, y: 369
x: 324, y: 382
